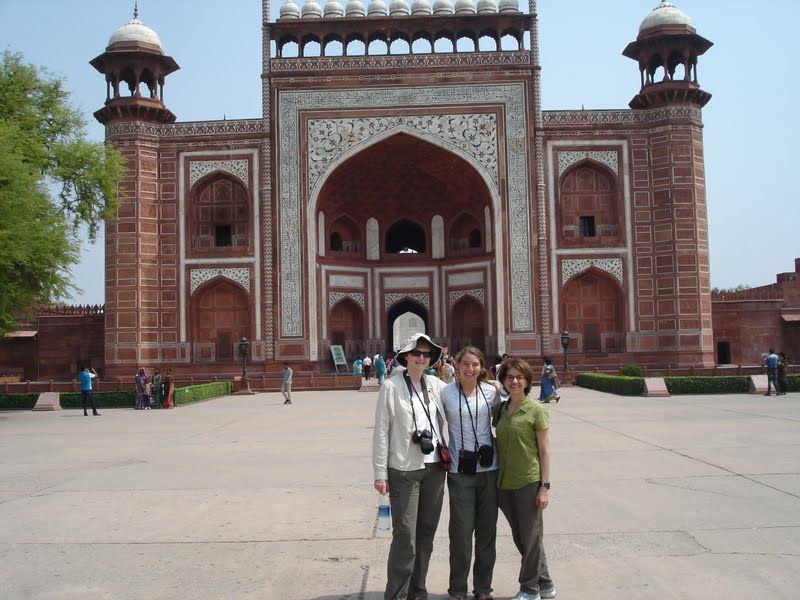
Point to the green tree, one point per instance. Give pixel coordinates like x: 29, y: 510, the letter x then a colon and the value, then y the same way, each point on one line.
x: 52, y: 181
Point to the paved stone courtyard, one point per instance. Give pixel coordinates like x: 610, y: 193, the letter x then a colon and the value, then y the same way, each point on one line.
x: 242, y: 497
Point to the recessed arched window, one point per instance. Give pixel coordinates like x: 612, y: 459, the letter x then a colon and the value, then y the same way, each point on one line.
x: 219, y: 216
x: 344, y: 236
x: 475, y: 238
x: 465, y: 235
x: 405, y: 237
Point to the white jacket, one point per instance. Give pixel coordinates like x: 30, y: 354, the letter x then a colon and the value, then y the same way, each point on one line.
x: 394, y: 426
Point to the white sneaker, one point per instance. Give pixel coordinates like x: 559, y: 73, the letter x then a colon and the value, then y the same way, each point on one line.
x: 521, y: 595
x: 547, y: 592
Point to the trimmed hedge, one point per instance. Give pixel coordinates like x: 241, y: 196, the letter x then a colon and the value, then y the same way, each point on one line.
x: 615, y: 384
x: 18, y: 401
x: 102, y: 399
x: 631, y: 371
x: 728, y: 384
x: 195, y: 393
x: 793, y: 383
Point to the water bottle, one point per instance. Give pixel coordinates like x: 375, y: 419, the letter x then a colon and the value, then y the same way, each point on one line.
x: 384, y: 513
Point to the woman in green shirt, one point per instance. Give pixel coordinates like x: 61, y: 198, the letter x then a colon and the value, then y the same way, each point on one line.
x: 523, y: 480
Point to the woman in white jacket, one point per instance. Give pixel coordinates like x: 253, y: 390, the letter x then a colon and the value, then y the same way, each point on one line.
x: 409, y: 426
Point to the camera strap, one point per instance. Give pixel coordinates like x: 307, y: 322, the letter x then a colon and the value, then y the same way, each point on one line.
x: 474, y: 424
x: 411, y: 393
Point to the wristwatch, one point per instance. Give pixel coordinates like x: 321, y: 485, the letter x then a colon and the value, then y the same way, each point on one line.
x: 546, y: 485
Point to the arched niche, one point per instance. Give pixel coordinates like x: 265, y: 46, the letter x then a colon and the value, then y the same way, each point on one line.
x: 218, y: 217
x: 344, y: 237
x: 594, y: 308
x: 346, y: 327
x: 465, y: 236
x: 589, y: 208
x: 220, y: 315
x: 405, y: 236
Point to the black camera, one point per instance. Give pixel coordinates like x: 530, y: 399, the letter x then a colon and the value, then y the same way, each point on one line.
x: 424, y: 439
x: 486, y: 455
x: 467, y: 462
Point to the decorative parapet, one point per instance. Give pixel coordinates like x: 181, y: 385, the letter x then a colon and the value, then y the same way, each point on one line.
x: 764, y: 292
x: 315, y: 64
x: 188, y: 129
x: 556, y: 118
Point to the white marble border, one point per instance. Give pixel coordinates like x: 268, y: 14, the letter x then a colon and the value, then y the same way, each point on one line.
x: 290, y: 214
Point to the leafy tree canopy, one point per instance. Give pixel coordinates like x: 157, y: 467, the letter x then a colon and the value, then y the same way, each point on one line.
x: 52, y: 180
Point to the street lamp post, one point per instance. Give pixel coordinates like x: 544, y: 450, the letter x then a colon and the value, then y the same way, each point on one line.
x: 565, y: 345
x: 244, y: 345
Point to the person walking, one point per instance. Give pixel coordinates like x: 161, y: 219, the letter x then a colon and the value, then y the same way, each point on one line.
x: 87, y: 396
x: 357, y: 365
x: 142, y: 399
x: 286, y: 383
x: 407, y: 450
x: 472, y: 480
x: 367, y: 365
x: 771, y: 361
x: 380, y: 368
x: 169, y: 390
x: 550, y: 383
x: 523, y: 480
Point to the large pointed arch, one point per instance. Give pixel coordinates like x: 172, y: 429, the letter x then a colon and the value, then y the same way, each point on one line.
x: 492, y: 200
x: 593, y: 307
x: 405, y: 305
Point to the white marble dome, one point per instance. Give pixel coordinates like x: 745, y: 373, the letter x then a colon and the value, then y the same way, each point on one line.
x: 421, y: 7
x: 464, y: 7
x: 487, y: 6
x: 290, y: 10
x: 399, y: 8
x: 356, y: 8
x: 135, y: 31
x: 333, y: 9
x: 312, y: 10
x: 508, y: 6
x: 665, y: 13
x: 442, y: 7
x: 377, y: 8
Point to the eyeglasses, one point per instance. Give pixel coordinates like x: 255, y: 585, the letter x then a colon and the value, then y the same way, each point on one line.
x: 515, y: 378
x: 425, y: 353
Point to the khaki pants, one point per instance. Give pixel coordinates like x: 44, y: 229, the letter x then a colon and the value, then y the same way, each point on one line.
x: 519, y: 507
x: 286, y: 390
x: 473, y: 510
x: 416, y: 500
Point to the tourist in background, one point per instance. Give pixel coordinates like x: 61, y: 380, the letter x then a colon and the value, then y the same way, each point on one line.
x: 367, y: 366
x: 87, y: 395
x: 169, y: 390
x: 448, y: 371
x: 771, y: 361
x: 286, y: 383
x: 523, y: 480
x: 406, y: 455
x: 782, y: 364
x: 357, y: 364
x: 380, y: 368
x: 142, y: 398
x: 157, y: 388
x: 472, y: 480
x: 550, y: 383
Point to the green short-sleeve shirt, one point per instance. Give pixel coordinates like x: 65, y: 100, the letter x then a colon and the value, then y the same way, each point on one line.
x: 517, y: 445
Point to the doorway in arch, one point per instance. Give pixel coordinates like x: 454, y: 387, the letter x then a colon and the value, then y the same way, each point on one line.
x: 404, y: 319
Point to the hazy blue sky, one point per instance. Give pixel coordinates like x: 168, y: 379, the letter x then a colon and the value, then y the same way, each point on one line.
x: 751, y: 122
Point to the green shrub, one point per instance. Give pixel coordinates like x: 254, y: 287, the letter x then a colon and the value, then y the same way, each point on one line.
x: 195, y: 393
x: 615, y: 384
x: 631, y: 371
x: 18, y: 401
x: 733, y: 384
x: 793, y: 383
x: 102, y: 399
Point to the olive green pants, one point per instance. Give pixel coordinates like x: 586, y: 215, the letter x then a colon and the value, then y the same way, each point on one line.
x: 416, y: 501
x: 473, y: 510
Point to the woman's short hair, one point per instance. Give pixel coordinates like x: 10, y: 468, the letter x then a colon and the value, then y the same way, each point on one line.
x: 521, y: 366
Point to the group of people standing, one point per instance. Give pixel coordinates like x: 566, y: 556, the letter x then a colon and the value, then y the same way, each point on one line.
x: 155, y: 392
x: 363, y: 365
x: 776, y: 372
x: 412, y: 460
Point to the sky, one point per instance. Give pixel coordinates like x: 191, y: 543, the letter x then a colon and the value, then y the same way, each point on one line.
x: 751, y: 122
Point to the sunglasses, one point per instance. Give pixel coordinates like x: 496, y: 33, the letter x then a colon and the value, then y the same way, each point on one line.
x: 425, y: 353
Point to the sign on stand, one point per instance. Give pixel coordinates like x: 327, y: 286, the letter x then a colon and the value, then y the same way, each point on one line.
x: 337, y: 352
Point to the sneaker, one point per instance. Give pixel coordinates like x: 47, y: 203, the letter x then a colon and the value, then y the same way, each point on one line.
x: 522, y: 595
x: 484, y: 597
x: 547, y: 592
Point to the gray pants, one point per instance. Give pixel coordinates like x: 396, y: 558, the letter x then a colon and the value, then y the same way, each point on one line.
x: 286, y: 390
x: 519, y: 507
x: 416, y: 500
x: 772, y: 381
x: 473, y: 509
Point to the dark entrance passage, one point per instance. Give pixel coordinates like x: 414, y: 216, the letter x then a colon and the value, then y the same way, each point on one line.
x: 723, y: 353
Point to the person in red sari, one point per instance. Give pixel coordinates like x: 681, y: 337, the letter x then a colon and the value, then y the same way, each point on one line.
x: 169, y: 391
